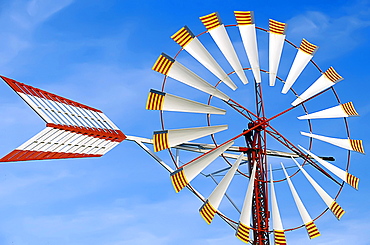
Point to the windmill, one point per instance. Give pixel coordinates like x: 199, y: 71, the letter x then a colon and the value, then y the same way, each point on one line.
x: 259, y: 130
x: 76, y: 130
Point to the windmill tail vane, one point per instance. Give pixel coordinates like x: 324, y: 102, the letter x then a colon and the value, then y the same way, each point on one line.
x: 73, y: 130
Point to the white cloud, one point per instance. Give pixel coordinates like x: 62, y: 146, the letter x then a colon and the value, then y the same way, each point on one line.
x: 40, y: 10
x: 125, y: 221
x: 338, y: 233
x: 19, y: 21
x: 334, y: 35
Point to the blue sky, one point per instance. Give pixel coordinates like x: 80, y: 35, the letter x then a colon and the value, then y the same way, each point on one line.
x: 100, y: 53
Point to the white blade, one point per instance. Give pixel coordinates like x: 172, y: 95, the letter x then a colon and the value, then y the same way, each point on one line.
x: 279, y: 235
x: 186, y: 39
x: 343, y: 175
x: 276, y: 43
x: 168, y: 138
x: 343, y: 110
x: 277, y: 223
x: 330, y: 202
x: 218, y: 32
x: 163, y: 101
x: 349, y: 144
x: 302, y: 58
x: 245, y: 217
x: 327, y: 79
x: 210, y: 207
x: 247, y: 29
x: 168, y: 66
x: 306, y: 218
x: 182, y: 177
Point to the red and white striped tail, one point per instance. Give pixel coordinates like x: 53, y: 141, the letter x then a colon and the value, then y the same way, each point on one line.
x: 73, y: 130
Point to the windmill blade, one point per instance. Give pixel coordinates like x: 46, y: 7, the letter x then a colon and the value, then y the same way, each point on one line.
x: 304, y: 54
x: 219, y: 34
x: 279, y: 234
x: 168, y: 138
x: 244, y: 221
x: 174, y: 69
x: 349, y: 144
x: 182, y: 176
x: 306, y: 218
x: 247, y: 29
x: 343, y: 110
x: 73, y: 130
x: 186, y: 39
x: 327, y: 79
x: 210, y: 207
x: 330, y: 202
x: 343, y: 175
x: 276, y: 42
x: 164, y: 101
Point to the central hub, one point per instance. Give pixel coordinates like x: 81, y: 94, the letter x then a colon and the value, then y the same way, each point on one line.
x: 262, y: 122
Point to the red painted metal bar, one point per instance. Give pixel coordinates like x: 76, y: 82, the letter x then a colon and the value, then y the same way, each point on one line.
x: 257, y: 159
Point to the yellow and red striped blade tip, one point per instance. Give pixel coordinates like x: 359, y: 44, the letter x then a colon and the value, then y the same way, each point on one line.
x: 352, y: 180
x: 160, y: 140
x: 244, y: 17
x: 357, y: 145
x: 163, y: 64
x: 243, y: 232
x: 312, y: 230
x: 308, y: 47
x: 155, y: 100
x: 179, y: 180
x: 211, y: 21
x: 279, y: 237
x: 349, y: 109
x: 207, y: 211
x: 277, y: 27
x: 337, y: 210
x: 332, y: 75
x: 183, y: 36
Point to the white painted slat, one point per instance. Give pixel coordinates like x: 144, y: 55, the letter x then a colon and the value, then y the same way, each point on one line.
x: 36, y: 144
x: 108, y: 147
x: 44, y: 133
x: 61, y: 113
x: 101, y: 147
x: 53, y: 143
x: 36, y: 108
x: 69, y: 114
x: 89, y: 117
x: 107, y: 121
x: 92, y: 144
x: 66, y: 143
